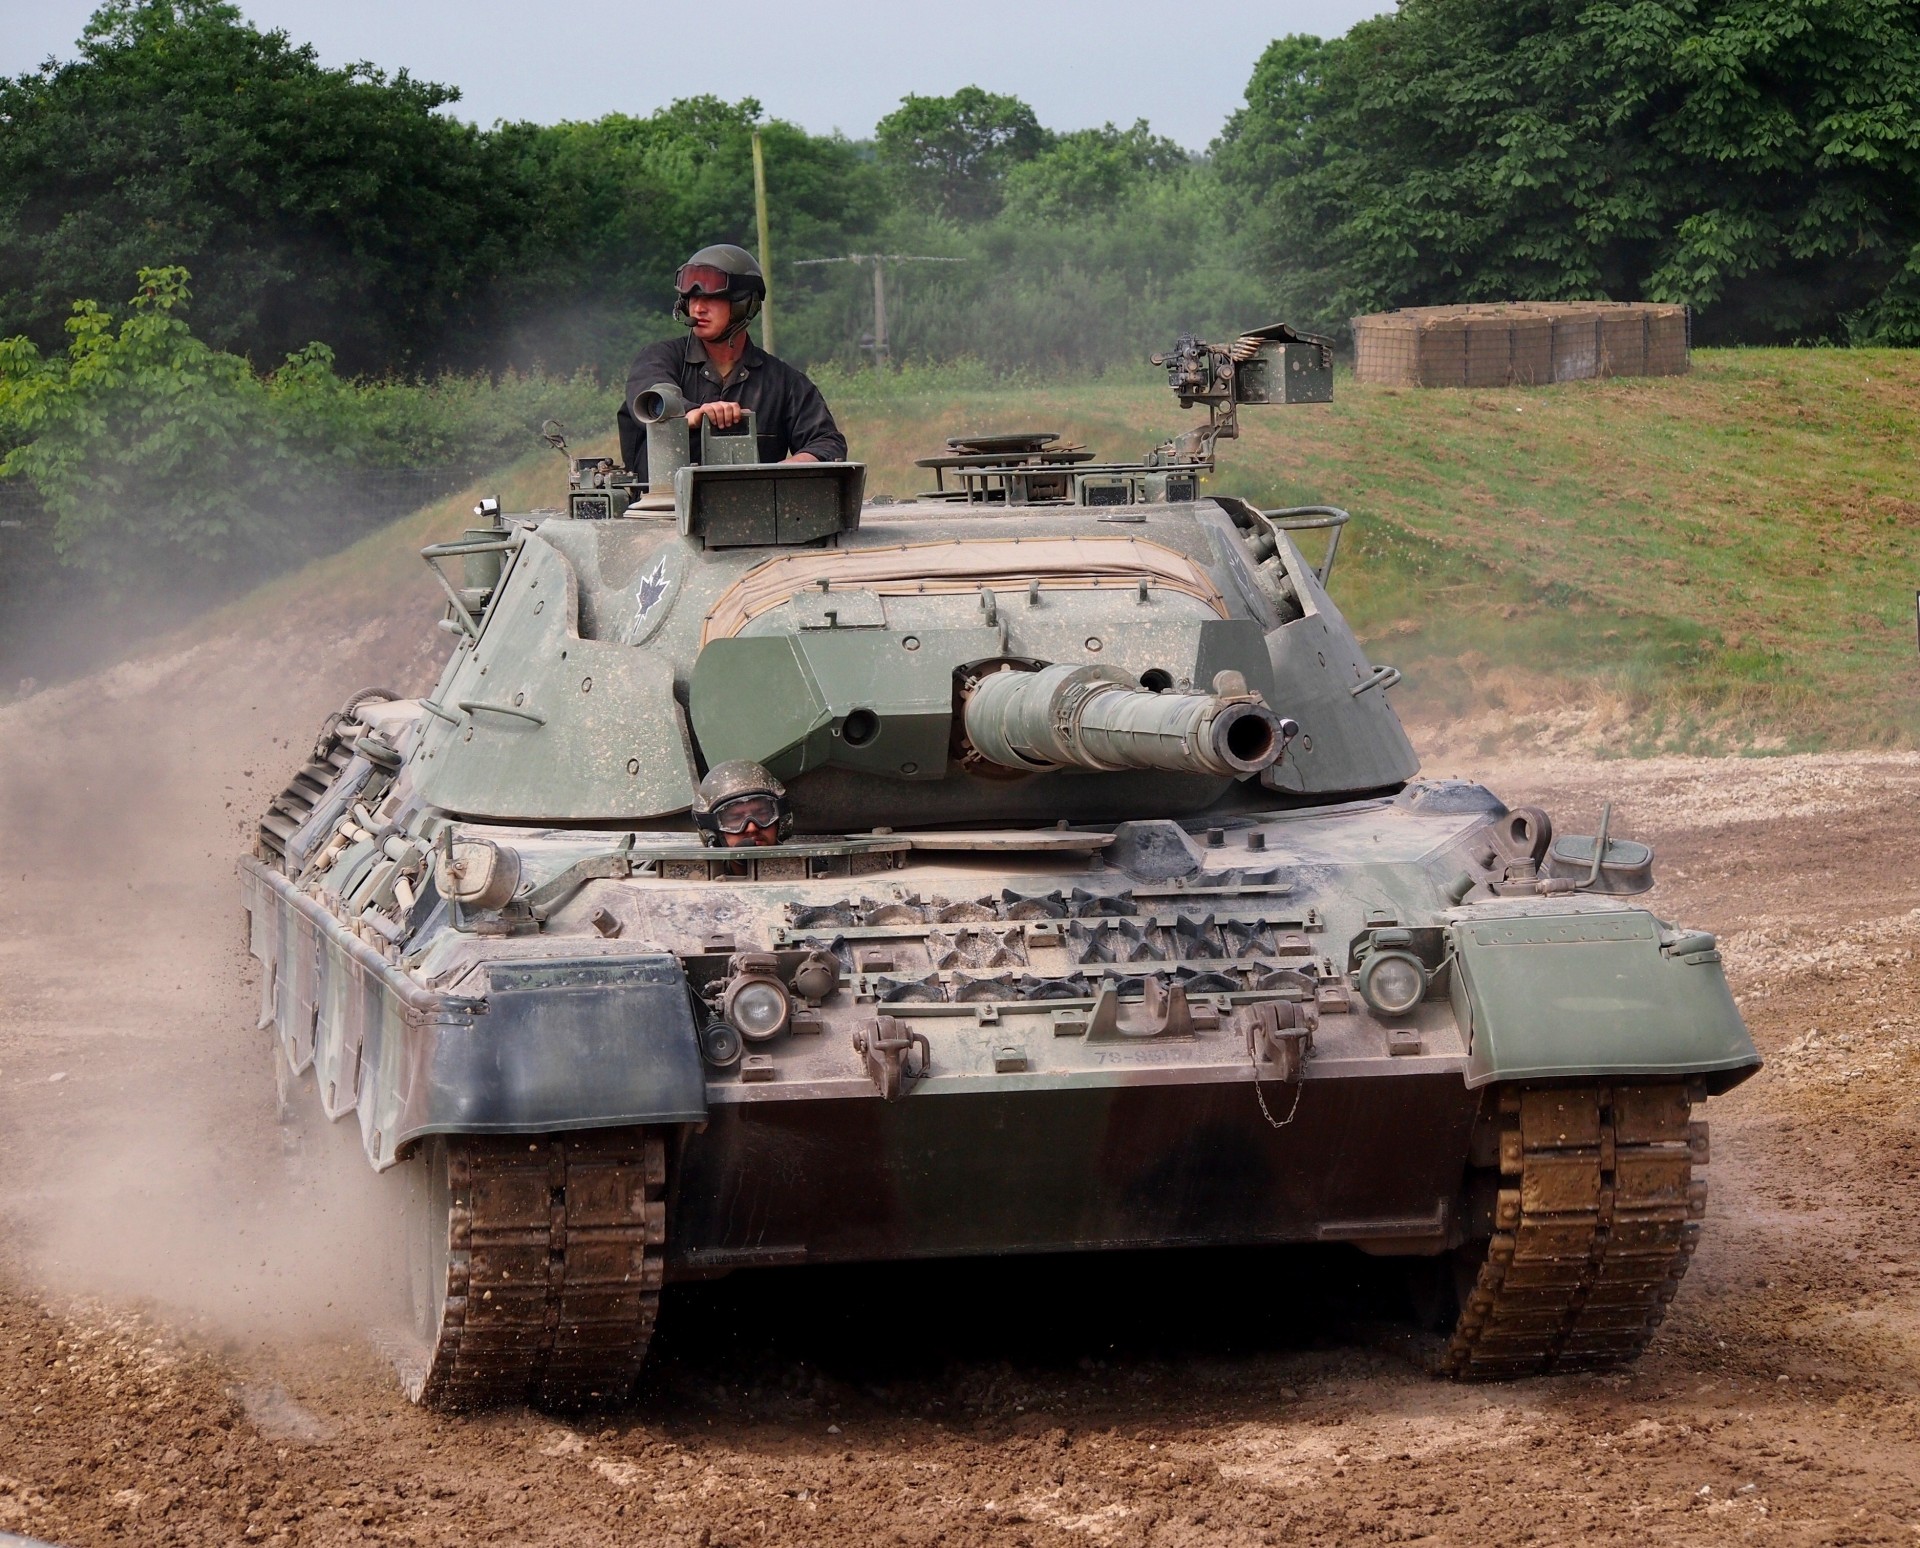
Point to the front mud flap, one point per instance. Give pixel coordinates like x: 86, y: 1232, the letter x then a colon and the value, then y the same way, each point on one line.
x: 596, y: 1042
x: 1593, y: 994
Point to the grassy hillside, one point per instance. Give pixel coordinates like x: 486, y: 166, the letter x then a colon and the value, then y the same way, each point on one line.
x: 1720, y: 562
x: 1717, y: 562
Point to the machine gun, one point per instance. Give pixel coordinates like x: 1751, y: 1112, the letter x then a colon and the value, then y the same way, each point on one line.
x: 1275, y: 364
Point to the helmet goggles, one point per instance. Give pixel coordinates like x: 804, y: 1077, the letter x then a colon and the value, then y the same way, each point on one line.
x: 704, y: 279
x: 755, y: 809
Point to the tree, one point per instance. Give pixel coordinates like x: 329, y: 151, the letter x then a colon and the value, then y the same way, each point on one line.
x: 312, y: 202
x: 1090, y: 170
x: 949, y: 154
x: 1756, y: 159
x: 625, y: 200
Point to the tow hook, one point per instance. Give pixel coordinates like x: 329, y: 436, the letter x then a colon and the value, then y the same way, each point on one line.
x: 1278, y: 1032
x: 886, y: 1042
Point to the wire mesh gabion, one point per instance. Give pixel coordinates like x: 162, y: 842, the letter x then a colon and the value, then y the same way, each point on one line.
x: 1520, y: 343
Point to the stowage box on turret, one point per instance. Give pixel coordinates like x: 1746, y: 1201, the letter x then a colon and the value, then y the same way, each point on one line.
x: 1113, y: 914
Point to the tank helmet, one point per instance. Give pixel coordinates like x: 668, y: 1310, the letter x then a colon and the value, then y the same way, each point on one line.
x: 721, y: 270
x: 738, y: 794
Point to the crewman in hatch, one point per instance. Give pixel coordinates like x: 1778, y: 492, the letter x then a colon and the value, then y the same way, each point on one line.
x: 721, y: 372
x: 739, y: 805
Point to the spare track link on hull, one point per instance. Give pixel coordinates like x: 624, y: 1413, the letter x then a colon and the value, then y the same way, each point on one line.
x: 1595, y: 1220
x: 552, y: 1268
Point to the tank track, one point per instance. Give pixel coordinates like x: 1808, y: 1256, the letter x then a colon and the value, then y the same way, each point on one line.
x: 1595, y: 1219
x: 553, y: 1270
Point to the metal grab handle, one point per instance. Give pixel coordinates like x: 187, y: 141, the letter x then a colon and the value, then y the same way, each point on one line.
x: 1600, y: 845
x: 433, y: 553
x: 437, y: 709
x: 470, y: 705
x: 460, y: 546
x: 1381, y: 677
x: 1313, y: 518
x: 1308, y: 518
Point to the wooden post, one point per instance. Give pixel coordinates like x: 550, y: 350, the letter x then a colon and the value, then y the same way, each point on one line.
x: 766, y: 254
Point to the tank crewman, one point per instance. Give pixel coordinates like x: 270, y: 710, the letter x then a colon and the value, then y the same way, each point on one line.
x: 739, y: 805
x: 720, y: 371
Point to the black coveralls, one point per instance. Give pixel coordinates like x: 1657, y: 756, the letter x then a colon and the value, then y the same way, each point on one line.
x: 789, y: 415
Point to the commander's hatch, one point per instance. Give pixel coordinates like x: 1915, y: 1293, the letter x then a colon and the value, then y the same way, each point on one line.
x: 768, y: 504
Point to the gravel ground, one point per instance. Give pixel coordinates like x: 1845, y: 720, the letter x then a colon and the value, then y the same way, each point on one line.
x: 186, y: 1295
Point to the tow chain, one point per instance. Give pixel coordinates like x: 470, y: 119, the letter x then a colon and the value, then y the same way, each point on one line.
x: 1260, y: 1096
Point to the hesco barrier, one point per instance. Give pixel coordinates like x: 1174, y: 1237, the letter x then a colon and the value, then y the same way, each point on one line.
x: 1520, y: 344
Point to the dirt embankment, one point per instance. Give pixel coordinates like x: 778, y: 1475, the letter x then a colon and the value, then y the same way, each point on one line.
x: 181, y: 1297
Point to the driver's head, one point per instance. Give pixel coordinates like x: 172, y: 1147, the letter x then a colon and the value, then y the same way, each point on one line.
x: 739, y: 805
x: 719, y: 291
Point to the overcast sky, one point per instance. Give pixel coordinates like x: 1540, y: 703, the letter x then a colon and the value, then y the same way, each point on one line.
x: 827, y: 64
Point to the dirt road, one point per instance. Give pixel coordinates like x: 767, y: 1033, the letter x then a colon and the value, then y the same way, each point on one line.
x: 183, y: 1298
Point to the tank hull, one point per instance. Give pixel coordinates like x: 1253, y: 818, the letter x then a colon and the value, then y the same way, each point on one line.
x: 572, y: 1169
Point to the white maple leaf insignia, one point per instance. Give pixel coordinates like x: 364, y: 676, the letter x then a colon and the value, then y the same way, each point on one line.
x: 653, y: 586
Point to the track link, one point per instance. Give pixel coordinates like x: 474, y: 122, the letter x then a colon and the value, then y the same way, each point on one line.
x: 552, y: 1269
x: 1594, y: 1222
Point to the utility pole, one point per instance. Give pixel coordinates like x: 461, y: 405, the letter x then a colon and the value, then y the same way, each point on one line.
x: 882, y: 354
x: 766, y: 253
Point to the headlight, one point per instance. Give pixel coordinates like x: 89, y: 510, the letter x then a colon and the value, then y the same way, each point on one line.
x: 757, y: 1007
x: 817, y: 977
x: 1393, y: 982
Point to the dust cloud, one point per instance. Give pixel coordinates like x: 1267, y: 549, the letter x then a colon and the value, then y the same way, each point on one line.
x: 143, y: 1160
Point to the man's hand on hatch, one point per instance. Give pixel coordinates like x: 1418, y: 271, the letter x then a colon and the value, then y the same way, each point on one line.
x: 722, y: 415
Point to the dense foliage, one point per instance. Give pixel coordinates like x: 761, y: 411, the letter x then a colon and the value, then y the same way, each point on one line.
x: 951, y: 154
x: 1757, y: 159
x: 310, y: 202
x: 157, y: 455
x: 341, y: 204
x: 1100, y: 244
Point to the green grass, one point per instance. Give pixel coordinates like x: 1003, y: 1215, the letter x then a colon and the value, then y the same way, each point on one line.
x: 1724, y: 560
x: 1717, y: 563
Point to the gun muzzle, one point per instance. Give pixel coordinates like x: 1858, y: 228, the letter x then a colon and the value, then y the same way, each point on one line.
x: 1095, y: 717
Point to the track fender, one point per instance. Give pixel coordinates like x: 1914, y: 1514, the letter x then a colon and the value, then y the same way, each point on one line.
x: 554, y: 1045
x: 559, y: 1045
x: 1593, y: 994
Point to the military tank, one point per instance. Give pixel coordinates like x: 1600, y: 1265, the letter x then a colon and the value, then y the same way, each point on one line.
x: 1114, y: 914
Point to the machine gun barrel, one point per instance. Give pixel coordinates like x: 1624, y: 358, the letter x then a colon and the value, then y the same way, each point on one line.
x: 1095, y: 717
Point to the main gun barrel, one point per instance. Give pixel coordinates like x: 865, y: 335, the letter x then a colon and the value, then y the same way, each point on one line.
x: 1095, y: 717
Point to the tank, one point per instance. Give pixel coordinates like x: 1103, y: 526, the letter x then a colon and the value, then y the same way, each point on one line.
x: 1115, y: 914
